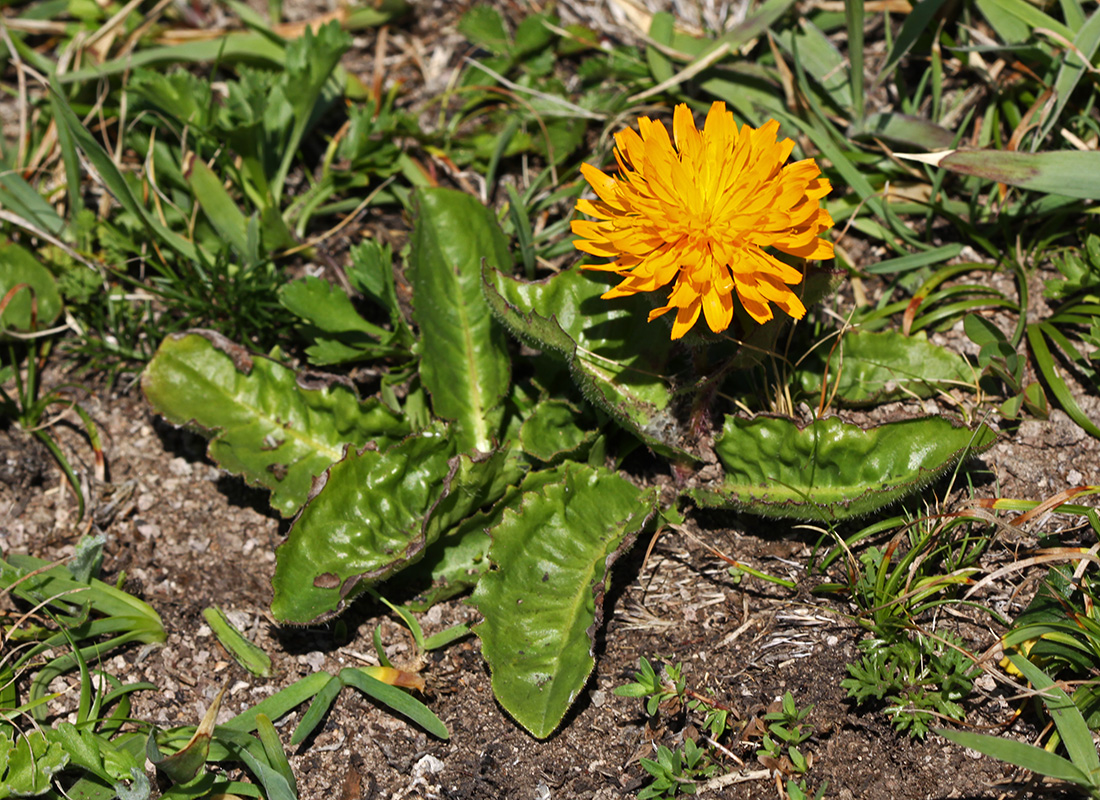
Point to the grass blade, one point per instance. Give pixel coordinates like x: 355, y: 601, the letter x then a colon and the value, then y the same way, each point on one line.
x: 1023, y: 755
x: 853, y: 14
x: 395, y: 699
x: 1044, y: 362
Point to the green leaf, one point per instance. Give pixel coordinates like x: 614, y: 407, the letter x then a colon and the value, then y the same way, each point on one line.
x: 276, y: 428
x: 339, y: 332
x: 464, y: 359
x: 830, y: 469
x: 19, y: 266
x: 284, y: 784
x: 113, y: 179
x: 371, y: 272
x: 222, y: 211
x: 532, y: 35
x: 1023, y: 11
x: 1044, y: 363
x: 542, y: 602
x: 372, y: 514
x: 247, y: 654
x: 32, y: 763
x: 868, y: 368
x: 822, y: 60
x: 1072, y: 69
x: 395, y: 699
x: 908, y: 131
x: 365, y: 518
x: 180, y: 93
x: 310, y: 84
x: 458, y: 559
x: 1021, y: 754
x: 322, y: 702
x: 20, y: 198
x: 32, y: 579
x: 189, y: 761
x: 1067, y: 718
x: 916, y: 23
x: 551, y: 433
x: 484, y: 26
x: 280, y: 703
x: 618, y: 360
x: 1073, y: 173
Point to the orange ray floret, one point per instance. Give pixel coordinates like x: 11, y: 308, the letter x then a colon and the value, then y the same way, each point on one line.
x: 698, y: 210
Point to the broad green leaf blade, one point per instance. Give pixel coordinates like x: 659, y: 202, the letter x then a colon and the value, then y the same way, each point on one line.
x: 364, y: 519
x: 464, y: 359
x: 1073, y: 173
x: 1020, y: 754
x: 395, y: 699
x: 618, y: 360
x: 867, y: 368
x: 374, y: 513
x: 276, y: 428
x: 551, y: 433
x: 32, y: 763
x: 325, y: 305
x: 458, y: 559
x: 542, y: 601
x: 339, y: 332
x: 830, y: 469
x: 38, y: 291
x: 661, y: 29
x: 484, y: 26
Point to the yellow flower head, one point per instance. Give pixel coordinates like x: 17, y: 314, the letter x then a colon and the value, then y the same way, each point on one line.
x: 700, y: 212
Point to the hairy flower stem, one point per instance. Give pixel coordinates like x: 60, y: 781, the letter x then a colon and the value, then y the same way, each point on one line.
x: 705, y: 393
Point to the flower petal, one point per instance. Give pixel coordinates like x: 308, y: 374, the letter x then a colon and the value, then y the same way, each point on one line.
x: 699, y: 210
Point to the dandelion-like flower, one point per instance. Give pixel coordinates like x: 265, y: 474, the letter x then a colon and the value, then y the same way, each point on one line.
x: 701, y: 213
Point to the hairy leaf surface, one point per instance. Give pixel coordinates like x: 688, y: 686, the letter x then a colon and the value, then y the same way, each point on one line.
x: 275, y: 427
x: 831, y: 469
x: 617, y: 358
x: 543, y: 599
